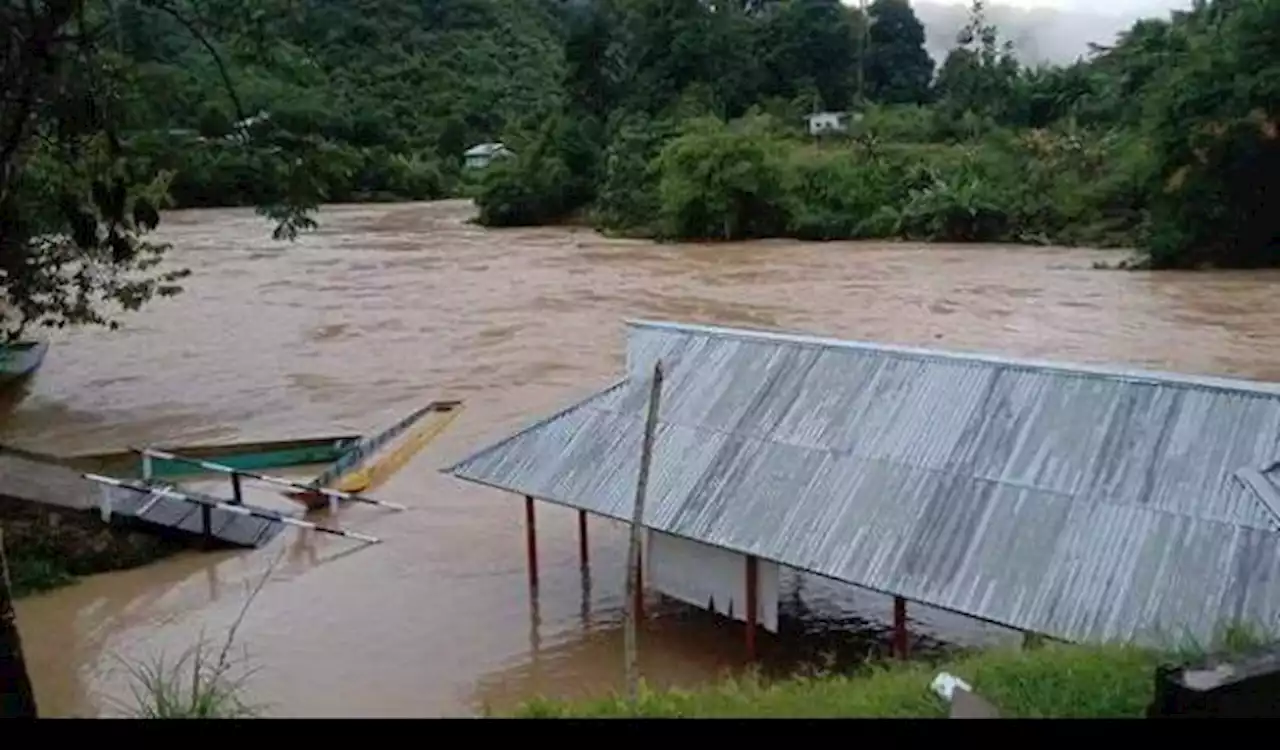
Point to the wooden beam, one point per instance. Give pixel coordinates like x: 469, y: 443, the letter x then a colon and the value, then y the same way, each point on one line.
x: 531, y: 539
x: 752, y: 604
x: 901, y: 638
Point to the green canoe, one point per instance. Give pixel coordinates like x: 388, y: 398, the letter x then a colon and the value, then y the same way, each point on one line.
x: 20, y: 359
x: 257, y: 457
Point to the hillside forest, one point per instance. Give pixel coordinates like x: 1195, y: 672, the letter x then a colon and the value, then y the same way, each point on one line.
x: 672, y: 119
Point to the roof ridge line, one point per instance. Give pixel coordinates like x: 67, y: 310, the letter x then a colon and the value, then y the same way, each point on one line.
x: 1133, y: 375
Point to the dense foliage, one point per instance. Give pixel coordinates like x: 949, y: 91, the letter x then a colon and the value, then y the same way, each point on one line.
x: 1166, y: 140
x: 671, y: 118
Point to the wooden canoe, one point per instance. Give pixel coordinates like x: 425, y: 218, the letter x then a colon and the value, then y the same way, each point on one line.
x: 368, y: 465
x: 20, y: 359
x: 256, y: 456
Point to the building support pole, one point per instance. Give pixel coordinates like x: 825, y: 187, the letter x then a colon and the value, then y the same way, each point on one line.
x: 531, y: 537
x: 753, y: 590
x: 901, y: 638
x: 582, y: 539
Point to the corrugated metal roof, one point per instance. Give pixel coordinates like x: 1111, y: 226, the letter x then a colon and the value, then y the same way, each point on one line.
x: 1079, y: 502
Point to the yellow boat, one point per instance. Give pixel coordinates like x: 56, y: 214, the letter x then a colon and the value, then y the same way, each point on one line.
x: 367, y: 466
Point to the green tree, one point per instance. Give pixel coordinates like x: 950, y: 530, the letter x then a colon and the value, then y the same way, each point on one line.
x: 76, y: 201
x: 720, y: 181
x: 898, y: 69
x: 1216, y: 134
x: 979, y: 75
x: 811, y: 43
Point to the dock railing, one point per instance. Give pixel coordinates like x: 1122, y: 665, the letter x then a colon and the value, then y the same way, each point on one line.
x: 208, y: 503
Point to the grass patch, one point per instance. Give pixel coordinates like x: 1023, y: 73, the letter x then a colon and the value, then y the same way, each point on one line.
x: 1049, y: 680
x: 1052, y: 681
x: 32, y: 574
x: 51, y: 548
x: 205, y: 682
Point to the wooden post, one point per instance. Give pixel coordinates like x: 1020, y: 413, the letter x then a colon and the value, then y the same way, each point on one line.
x: 237, y: 492
x: 582, y: 538
x: 206, y: 524
x: 531, y: 537
x: 634, y: 582
x: 17, y: 698
x: 638, y: 597
x: 900, y: 635
x: 753, y: 592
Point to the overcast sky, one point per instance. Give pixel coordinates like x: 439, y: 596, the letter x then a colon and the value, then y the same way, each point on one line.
x: 1043, y: 31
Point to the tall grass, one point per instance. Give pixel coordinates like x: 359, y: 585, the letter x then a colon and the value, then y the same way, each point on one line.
x: 206, y: 681
x: 1051, y: 680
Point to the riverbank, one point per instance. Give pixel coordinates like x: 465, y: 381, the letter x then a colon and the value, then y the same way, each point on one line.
x: 48, y: 548
x: 1051, y: 681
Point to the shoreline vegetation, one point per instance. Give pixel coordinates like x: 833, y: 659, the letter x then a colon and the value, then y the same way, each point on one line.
x: 682, y: 120
x: 1045, y: 680
x: 1050, y: 681
x: 49, y: 548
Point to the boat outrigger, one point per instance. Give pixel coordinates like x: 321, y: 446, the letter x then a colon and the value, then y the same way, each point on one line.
x: 368, y: 465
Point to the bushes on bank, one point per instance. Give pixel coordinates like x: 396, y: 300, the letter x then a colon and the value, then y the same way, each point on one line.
x: 715, y: 180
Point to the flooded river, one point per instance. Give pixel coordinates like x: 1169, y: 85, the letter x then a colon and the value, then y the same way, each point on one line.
x: 387, y: 307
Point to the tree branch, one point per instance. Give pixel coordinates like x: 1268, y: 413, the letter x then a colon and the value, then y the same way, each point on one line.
x: 195, y: 32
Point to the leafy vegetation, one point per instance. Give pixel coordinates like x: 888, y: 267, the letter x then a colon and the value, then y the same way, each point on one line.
x: 1049, y: 680
x: 1165, y: 141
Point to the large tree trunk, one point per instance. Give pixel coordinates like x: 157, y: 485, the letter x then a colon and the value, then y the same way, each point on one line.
x: 17, y: 699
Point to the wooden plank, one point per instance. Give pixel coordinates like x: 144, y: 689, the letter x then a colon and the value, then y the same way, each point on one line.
x: 171, y: 513
x: 45, y: 483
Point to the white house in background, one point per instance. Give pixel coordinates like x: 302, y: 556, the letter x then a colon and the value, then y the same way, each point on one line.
x: 821, y: 123
x: 479, y: 157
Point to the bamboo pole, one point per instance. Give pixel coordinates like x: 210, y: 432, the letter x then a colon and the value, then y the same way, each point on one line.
x: 17, y: 698
x: 637, y: 519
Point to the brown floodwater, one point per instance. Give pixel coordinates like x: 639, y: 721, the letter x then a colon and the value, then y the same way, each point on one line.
x: 388, y: 306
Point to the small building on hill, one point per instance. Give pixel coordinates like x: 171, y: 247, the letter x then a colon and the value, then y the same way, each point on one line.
x: 482, y: 155
x: 828, y: 123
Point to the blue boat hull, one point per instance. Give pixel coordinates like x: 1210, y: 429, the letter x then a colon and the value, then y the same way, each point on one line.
x: 20, y: 360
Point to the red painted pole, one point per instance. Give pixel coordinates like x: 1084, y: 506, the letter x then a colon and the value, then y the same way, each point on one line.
x: 900, y: 636
x: 752, y: 605
x: 532, y: 538
x: 582, y: 537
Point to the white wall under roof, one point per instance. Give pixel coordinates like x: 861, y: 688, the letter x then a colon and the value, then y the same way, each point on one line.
x: 702, y: 575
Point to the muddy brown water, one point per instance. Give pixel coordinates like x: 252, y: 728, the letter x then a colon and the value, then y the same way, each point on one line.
x: 386, y: 307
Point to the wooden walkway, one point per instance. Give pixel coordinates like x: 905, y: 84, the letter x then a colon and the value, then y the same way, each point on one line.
x: 172, y: 514
x: 46, y: 481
